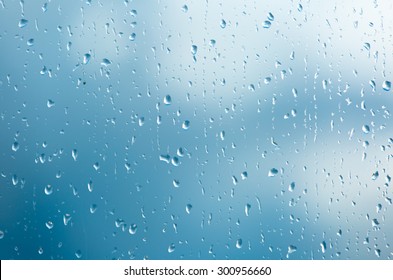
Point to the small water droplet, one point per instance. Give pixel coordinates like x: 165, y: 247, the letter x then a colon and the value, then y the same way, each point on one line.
x: 223, y: 23
x: 22, y: 23
x: 188, y: 208
x: 90, y: 186
x: 168, y: 100
x: 267, y: 80
x: 50, y: 103
x: 300, y: 7
x: 323, y: 246
x: 78, y: 254
x: 291, y: 187
x: 96, y: 166
x: 239, y: 243
x: 49, y: 224
x: 74, y: 154
x: 40, y: 251
x: 171, y: 248
x: 212, y: 43
x: 86, y: 58
x: 375, y: 175
x: 266, y: 24
x: 93, y: 208
x: 272, y: 172
x: 247, y: 209
x: 133, y: 229
x: 15, y: 146
x: 291, y: 249
x: 244, y: 175
x: 66, y: 219
x: 365, y: 128
x: 270, y: 16
x: 1, y: 234
x: 106, y: 62
x: 378, y: 252
x: 186, y: 125
x: 30, y: 42
x: 132, y: 37
x: 48, y: 190
x: 194, y: 50
x: 184, y: 8
x: 176, y: 183
x: 386, y: 85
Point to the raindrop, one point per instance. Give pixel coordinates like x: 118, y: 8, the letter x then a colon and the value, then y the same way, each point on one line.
x: 106, y: 62
x: 1, y: 234
x: 267, y: 80
x: 15, y: 146
x: 168, y: 100
x: 66, y: 219
x: 239, y: 243
x: 186, y: 125
x: 194, y: 50
x: 86, y: 58
x: 266, y: 24
x: 291, y: 187
x: 48, y: 190
x: 247, y: 209
x: 133, y: 229
x: 386, y: 85
x: 291, y: 249
x: 49, y: 224
x: 50, y: 103
x: 188, y: 208
x: 176, y: 183
x: 93, y: 208
x: 184, y: 8
x: 375, y: 175
x: 300, y: 7
x: 30, y: 42
x: 365, y: 128
x: 132, y: 37
x: 223, y: 23
x: 74, y: 154
x: 272, y: 172
x: 270, y: 16
x: 90, y: 186
x: 171, y: 248
x: 22, y: 23
x: 323, y: 246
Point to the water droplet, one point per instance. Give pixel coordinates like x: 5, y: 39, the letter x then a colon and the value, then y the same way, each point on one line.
x: 184, y: 8
x: 74, y: 154
x: 1, y: 234
x: 212, y: 43
x: 40, y: 251
x: 78, y: 254
x: 30, y: 42
x: 300, y: 7
x: 49, y: 224
x: 188, y: 208
x: 375, y: 175
x: 247, y: 209
x: 106, y: 62
x: 239, y: 243
x: 365, y: 128
x: 270, y: 16
x: 378, y: 252
x: 66, y: 219
x: 22, y: 23
x: 267, y: 80
x: 86, y: 58
x: 15, y: 146
x: 386, y: 85
x: 323, y: 246
x: 176, y: 183
x: 244, y: 175
x: 272, y: 172
x: 90, y: 186
x: 171, y: 248
x: 194, y: 50
x: 132, y: 37
x: 291, y: 187
x: 291, y: 249
x: 133, y: 229
x: 266, y: 24
x: 50, y: 103
x: 48, y: 190
x: 223, y: 23
x: 96, y: 166
x: 292, y: 55
x: 167, y: 100
x: 186, y: 125
x: 324, y: 84
x: 367, y: 46
x: 93, y: 208
x: 14, y: 179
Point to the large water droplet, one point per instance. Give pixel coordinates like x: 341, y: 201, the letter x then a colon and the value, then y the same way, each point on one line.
x: 50, y: 103
x: 106, y: 62
x: 132, y: 37
x: 186, y: 125
x: 291, y: 187
x: 167, y: 100
x: 194, y: 49
x: 66, y: 219
x: 323, y: 246
x: 366, y: 128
